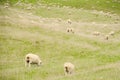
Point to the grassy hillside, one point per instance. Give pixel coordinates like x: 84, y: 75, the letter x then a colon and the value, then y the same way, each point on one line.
x: 55, y: 11
x: 41, y: 29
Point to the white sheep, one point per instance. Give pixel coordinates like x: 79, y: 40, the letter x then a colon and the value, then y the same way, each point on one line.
x: 112, y: 33
x: 69, y: 13
x: 48, y: 8
x: 69, y: 21
x: 68, y: 68
x: 59, y: 19
x: 96, y: 33
x: 32, y: 59
x: 6, y: 5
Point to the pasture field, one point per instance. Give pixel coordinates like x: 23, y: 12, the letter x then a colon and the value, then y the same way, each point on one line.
x: 41, y: 28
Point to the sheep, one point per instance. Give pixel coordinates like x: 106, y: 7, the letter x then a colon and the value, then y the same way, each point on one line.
x: 6, y: 5
x: 96, y: 33
x: 69, y: 13
x: 32, y: 59
x: 69, y: 21
x: 29, y: 8
x: 93, y: 22
x: 68, y: 68
x: 48, y: 8
x: 59, y: 19
x: 112, y: 33
x: 70, y: 30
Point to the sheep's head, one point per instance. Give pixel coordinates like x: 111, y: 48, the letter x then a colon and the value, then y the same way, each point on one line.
x: 66, y: 69
x: 28, y: 61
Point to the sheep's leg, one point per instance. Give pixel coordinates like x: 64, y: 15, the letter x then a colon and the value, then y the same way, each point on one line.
x: 65, y: 73
x: 25, y: 64
x: 29, y: 64
x: 70, y: 72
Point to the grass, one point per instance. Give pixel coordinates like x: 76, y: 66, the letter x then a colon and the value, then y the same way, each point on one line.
x: 23, y: 31
x: 105, y: 5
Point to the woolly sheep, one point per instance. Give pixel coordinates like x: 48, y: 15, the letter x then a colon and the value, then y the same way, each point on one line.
x: 48, y: 8
x: 112, y: 33
x: 59, y: 19
x: 6, y: 5
x: 32, y: 59
x: 69, y: 13
x: 96, y: 33
x: 69, y: 21
x: 68, y: 68
x: 29, y: 8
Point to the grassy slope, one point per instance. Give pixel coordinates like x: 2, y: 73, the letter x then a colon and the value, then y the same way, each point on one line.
x: 94, y: 57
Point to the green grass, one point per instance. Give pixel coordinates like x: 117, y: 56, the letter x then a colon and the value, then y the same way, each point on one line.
x: 23, y: 31
x: 105, y: 5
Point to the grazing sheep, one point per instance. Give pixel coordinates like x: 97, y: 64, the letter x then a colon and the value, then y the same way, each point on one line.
x: 32, y: 59
x: 59, y: 19
x: 93, y: 22
x: 68, y: 68
x: 112, y: 33
x: 6, y: 5
x: 70, y: 30
x: 48, y: 8
x: 69, y: 13
x: 69, y: 21
x: 29, y: 8
x: 96, y: 33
